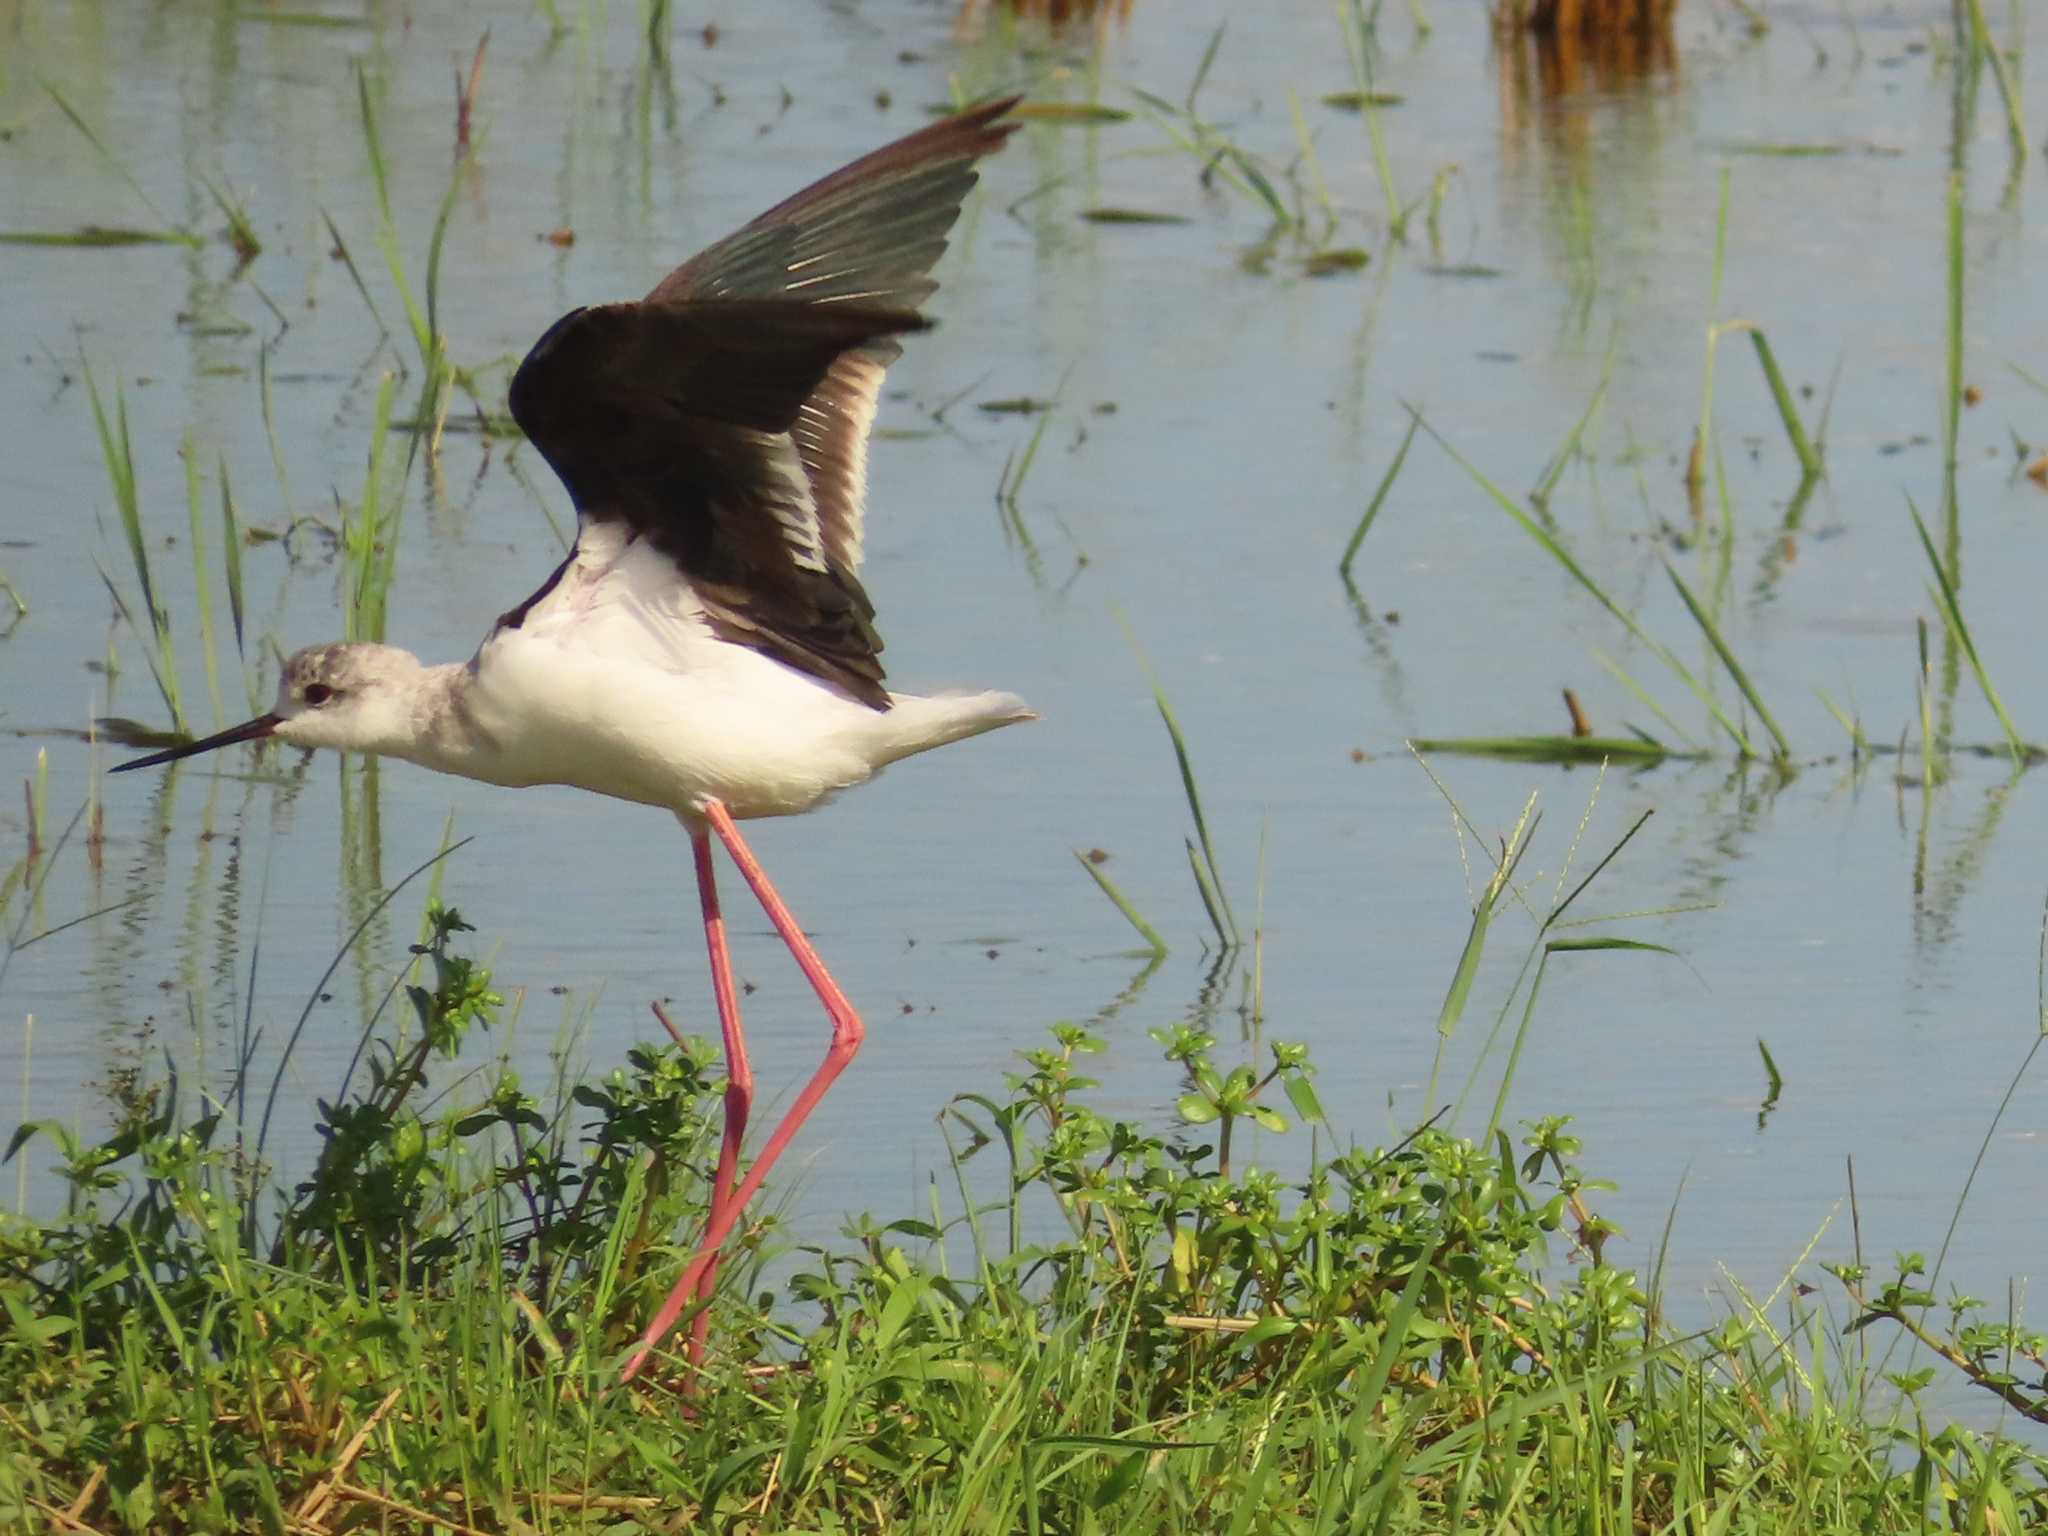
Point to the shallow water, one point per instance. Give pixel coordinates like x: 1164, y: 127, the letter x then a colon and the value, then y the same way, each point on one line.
x: 1217, y: 432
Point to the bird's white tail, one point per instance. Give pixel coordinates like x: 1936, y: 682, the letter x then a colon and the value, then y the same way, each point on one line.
x: 917, y: 723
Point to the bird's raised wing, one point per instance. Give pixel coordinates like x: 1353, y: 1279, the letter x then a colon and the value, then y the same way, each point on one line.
x: 725, y: 416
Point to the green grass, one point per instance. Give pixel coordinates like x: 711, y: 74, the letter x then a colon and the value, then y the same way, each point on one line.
x: 1201, y: 851
x: 1946, y: 601
x: 370, y: 532
x: 1553, y: 544
x: 167, y: 231
x: 118, y: 454
x: 202, y: 586
x: 1372, y: 506
x: 1154, y: 944
x: 1105, y: 1326
x: 154, y: 625
x: 248, y: 245
x: 1560, y: 750
x: 92, y: 237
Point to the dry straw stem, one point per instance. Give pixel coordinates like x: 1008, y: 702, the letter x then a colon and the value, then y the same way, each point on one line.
x: 311, y: 1506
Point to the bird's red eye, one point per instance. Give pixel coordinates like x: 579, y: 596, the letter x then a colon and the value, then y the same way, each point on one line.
x: 317, y: 694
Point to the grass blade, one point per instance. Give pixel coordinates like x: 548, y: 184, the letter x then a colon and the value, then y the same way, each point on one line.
x: 1122, y: 903
x: 1712, y: 631
x: 231, y: 553
x: 1788, y: 411
x: 1952, y: 614
x: 2008, y: 88
x: 370, y: 537
x: 1621, y: 675
x: 1952, y: 404
x: 1202, y: 69
x: 1776, y: 1079
x: 1210, y: 896
x: 119, y: 456
x: 202, y: 588
x: 1482, y: 917
x: 241, y: 233
x: 1539, y: 498
x: 1851, y: 726
x: 1011, y: 482
x: 1563, y: 557
x: 355, y: 276
x: 173, y: 233
x: 284, y: 479
x: 93, y: 237
x: 1372, y: 508
x: 1212, y: 889
x: 1640, y: 750
x: 387, y: 227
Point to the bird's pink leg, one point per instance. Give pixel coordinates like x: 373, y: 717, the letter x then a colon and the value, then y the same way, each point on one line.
x: 739, y: 1072
x: 847, y: 1034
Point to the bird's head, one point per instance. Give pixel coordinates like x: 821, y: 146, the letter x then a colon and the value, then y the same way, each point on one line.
x: 352, y: 697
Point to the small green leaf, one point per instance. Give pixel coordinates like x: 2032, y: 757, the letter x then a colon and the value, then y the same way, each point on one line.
x: 1269, y: 1328
x: 1301, y: 1094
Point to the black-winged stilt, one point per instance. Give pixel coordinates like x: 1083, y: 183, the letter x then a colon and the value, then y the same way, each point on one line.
x: 706, y: 646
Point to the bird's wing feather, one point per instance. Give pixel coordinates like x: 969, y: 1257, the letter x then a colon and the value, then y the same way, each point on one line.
x: 612, y: 578
x: 725, y: 417
x: 676, y: 420
x: 869, y: 233
x: 831, y: 435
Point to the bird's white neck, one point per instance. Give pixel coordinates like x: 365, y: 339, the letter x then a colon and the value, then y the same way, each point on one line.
x: 439, y: 726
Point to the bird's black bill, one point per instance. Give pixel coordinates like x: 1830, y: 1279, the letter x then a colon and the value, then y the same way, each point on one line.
x: 252, y: 730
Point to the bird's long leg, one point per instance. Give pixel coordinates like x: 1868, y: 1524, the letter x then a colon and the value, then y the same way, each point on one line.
x: 847, y: 1034
x: 739, y: 1072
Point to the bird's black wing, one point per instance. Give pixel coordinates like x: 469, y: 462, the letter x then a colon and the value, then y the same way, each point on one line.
x: 725, y: 417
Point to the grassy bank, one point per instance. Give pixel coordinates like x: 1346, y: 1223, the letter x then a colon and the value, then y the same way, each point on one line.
x: 1101, y: 1328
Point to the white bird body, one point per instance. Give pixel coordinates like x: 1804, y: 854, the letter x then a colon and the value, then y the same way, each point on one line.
x: 613, y: 682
